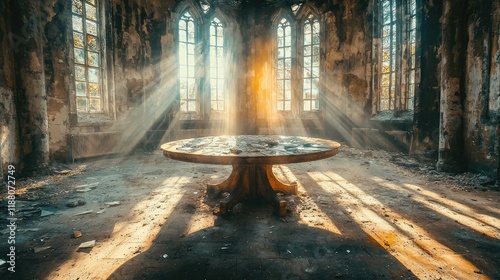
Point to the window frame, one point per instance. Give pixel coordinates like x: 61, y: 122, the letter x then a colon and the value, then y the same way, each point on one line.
x: 406, y: 64
x: 107, y: 113
x: 297, y: 22
x: 203, y: 20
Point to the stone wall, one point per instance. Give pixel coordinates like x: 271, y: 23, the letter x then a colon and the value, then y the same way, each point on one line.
x: 9, y: 136
x: 482, y: 85
x: 456, y: 104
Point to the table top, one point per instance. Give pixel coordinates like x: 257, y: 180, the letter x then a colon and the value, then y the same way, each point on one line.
x: 250, y: 149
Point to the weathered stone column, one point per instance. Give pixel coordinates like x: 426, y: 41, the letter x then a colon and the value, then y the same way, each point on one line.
x: 31, y: 84
x: 451, y: 106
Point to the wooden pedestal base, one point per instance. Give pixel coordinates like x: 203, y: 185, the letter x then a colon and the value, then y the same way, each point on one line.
x: 252, y: 181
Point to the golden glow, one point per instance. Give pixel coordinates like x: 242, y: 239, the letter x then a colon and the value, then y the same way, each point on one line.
x: 456, y: 211
x: 132, y: 235
x: 412, y: 245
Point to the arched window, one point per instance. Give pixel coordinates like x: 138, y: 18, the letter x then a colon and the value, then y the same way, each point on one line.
x: 201, y: 48
x: 187, y: 64
x: 284, y: 66
x: 216, y: 65
x: 298, y: 60
x: 87, y: 54
x: 311, y: 64
x: 398, y: 55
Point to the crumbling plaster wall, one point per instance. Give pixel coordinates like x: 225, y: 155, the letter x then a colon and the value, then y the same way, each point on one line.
x: 9, y: 136
x: 427, y: 99
x: 133, y: 44
x: 482, y: 86
x: 347, y: 66
x: 58, y: 73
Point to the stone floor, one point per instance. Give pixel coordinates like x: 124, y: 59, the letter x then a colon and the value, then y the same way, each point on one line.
x: 358, y: 215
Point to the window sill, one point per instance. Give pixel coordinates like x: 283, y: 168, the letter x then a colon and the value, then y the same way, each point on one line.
x: 396, y: 117
x: 97, y: 119
x: 308, y: 115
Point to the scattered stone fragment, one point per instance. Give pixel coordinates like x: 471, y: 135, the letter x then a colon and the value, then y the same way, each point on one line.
x: 235, y: 151
x: 88, y: 244
x: 137, y: 251
x: 28, y: 229
x: 84, y: 212
x: 77, y: 234
x: 40, y: 249
x: 101, y: 211
x: 75, y: 203
x: 45, y: 213
x: 112, y: 203
x: 87, y: 187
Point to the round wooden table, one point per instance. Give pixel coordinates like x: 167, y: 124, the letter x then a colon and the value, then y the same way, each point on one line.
x: 252, y: 158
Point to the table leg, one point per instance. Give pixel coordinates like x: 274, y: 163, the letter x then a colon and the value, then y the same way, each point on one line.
x: 253, y: 181
x: 227, y: 185
x: 276, y: 184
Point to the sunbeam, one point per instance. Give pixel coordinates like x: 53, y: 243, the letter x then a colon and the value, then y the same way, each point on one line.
x: 456, y: 211
x: 134, y: 232
x: 412, y: 245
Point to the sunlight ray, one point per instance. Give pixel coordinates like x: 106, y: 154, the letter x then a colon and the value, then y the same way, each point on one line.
x: 413, y: 246
x: 462, y: 214
x: 128, y: 237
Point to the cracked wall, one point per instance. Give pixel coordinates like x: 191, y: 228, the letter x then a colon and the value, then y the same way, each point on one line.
x: 482, y: 86
x: 141, y: 47
x: 9, y: 137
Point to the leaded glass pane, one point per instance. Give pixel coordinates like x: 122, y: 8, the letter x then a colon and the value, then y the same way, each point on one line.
x: 81, y: 89
x: 93, y: 75
x: 81, y: 104
x: 86, y: 54
x: 182, y: 25
x: 315, y: 72
x: 79, y: 56
x: 307, y: 39
x: 92, y: 43
x: 191, y: 31
x: 94, y: 90
x: 307, y: 29
x: 182, y: 36
x: 76, y: 7
x: 78, y: 40
x: 90, y: 12
x: 77, y: 23
x: 316, y: 50
x: 95, y: 105
x: 191, y: 106
x: 190, y: 49
x: 91, y: 27
x: 79, y: 73
x: 93, y: 59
